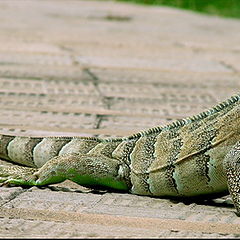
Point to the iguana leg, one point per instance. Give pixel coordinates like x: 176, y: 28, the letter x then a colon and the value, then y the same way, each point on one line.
x: 86, y: 170
x: 231, y: 165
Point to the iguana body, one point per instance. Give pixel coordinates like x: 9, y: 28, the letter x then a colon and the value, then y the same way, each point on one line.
x: 190, y: 157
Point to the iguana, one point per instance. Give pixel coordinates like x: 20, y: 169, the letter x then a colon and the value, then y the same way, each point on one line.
x: 195, y: 156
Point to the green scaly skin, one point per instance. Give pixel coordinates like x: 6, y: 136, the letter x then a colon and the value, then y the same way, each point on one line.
x: 196, y: 156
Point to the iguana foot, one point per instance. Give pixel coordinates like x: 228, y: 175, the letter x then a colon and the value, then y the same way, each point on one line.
x: 17, y: 175
x: 86, y: 170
